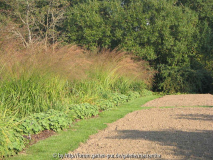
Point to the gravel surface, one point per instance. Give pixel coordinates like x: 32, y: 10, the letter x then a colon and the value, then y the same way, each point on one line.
x: 168, y: 133
x: 182, y: 100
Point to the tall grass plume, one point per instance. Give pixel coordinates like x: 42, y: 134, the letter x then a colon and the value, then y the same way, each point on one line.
x: 38, y: 79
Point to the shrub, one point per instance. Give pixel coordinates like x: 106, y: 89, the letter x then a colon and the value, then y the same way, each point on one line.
x: 138, y: 86
x: 11, y: 142
x: 12, y: 129
x: 184, y: 79
x: 121, y: 85
x: 30, y: 126
x: 132, y: 95
x: 118, y: 98
x: 50, y: 120
x: 146, y: 92
x: 104, y: 104
x: 84, y: 110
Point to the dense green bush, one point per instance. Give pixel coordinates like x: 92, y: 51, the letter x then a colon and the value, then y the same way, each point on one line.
x: 185, y: 79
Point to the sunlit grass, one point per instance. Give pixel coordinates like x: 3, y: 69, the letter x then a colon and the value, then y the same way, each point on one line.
x: 35, y: 80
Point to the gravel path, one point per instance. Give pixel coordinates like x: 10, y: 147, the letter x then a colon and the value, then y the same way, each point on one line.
x: 182, y: 100
x: 169, y: 133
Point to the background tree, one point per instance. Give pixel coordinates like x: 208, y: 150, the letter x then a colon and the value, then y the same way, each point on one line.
x: 39, y: 18
x: 162, y: 32
x: 204, y: 10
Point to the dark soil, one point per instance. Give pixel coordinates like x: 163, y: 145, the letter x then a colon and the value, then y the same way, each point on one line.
x: 40, y: 136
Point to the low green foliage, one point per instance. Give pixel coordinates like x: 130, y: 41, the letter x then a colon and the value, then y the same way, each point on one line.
x: 57, y: 120
x: 84, y: 110
x: 146, y: 92
x: 118, y: 98
x: 115, y: 99
x: 30, y: 125
x: 132, y: 95
x: 104, y: 104
x: 105, y: 94
x: 11, y: 142
x: 11, y: 131
x: 50, y: 120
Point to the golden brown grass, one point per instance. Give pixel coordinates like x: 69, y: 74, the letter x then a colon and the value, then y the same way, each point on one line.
x: 73, y: 62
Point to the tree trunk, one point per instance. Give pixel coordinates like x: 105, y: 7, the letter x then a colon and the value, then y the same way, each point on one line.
x: 28, y: 25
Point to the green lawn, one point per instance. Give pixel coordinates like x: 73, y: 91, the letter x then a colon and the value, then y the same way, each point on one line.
x: 69, y: 140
